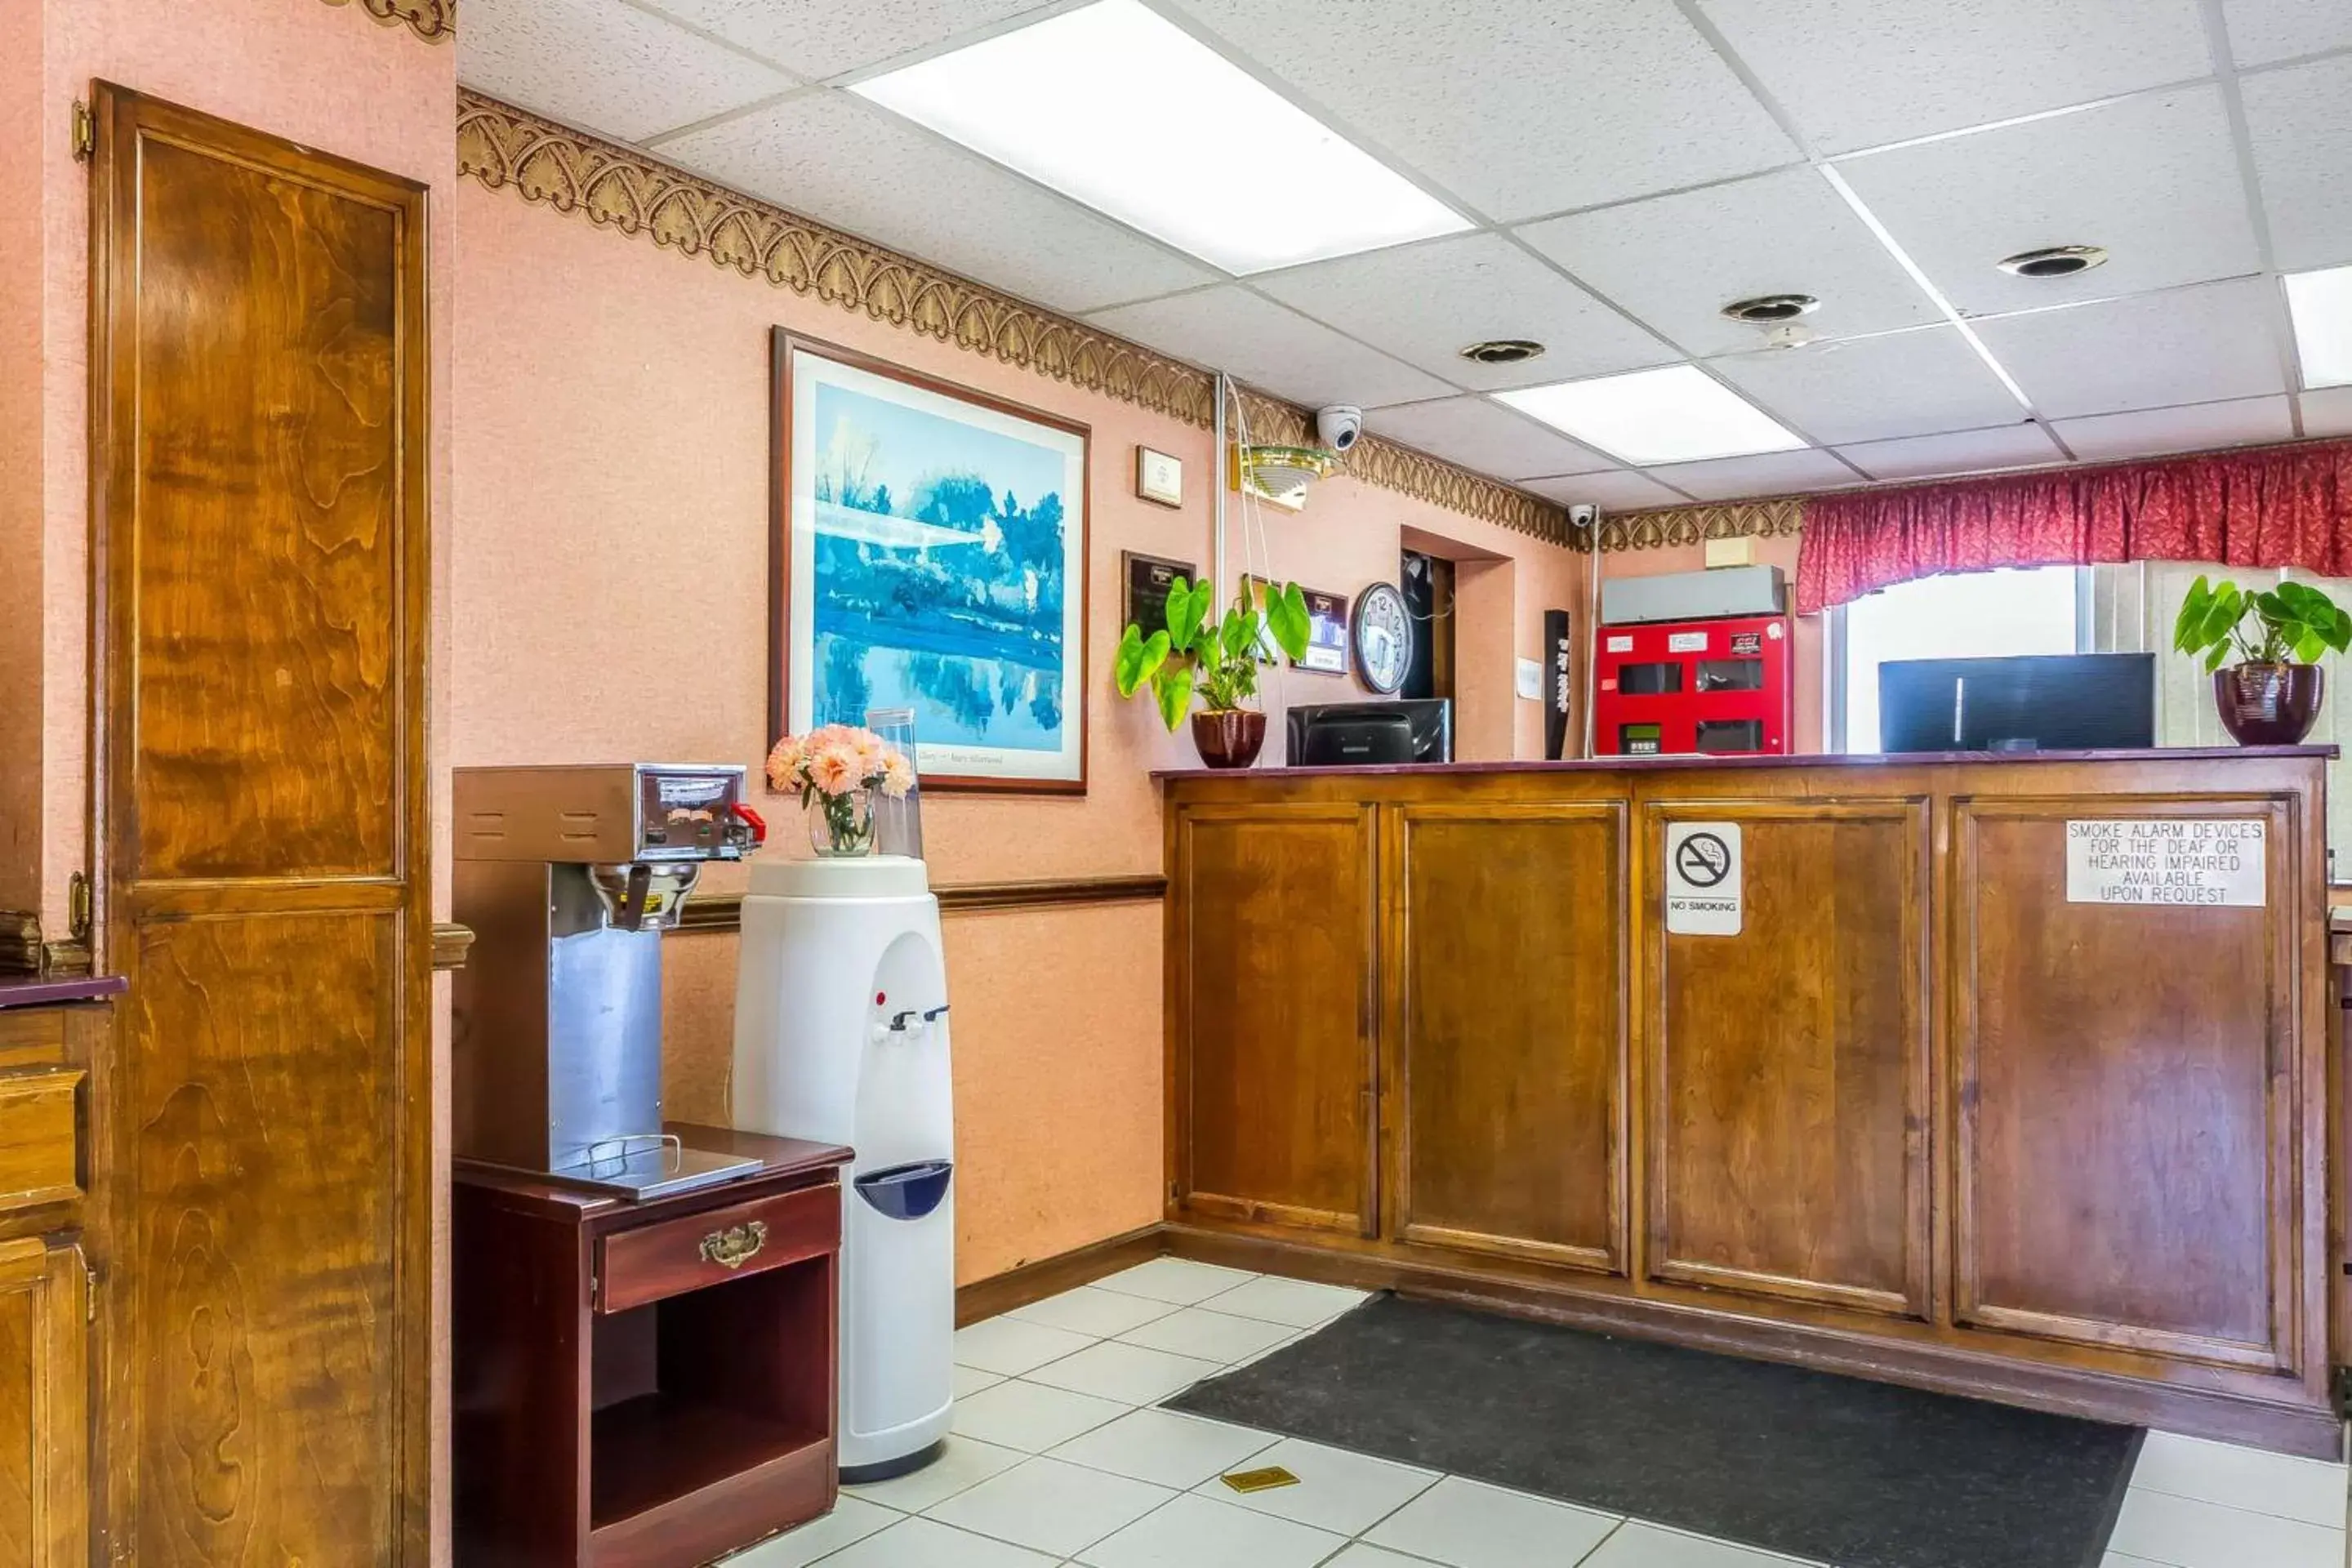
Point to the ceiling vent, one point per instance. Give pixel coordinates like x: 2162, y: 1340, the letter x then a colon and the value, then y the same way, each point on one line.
x: 1503, y: 351
x: 1766, y: 309
x: 2055, y: 261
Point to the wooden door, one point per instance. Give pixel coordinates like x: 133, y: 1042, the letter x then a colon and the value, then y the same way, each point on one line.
x: 1274, y: 915
x: 1789, y: 1082
x: 2143, y: 1061
x: 43, y: 1405
x: 260, y: 514
x: 1510, y: 1057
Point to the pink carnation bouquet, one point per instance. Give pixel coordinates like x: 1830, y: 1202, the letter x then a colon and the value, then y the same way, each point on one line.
x: 834, y: 771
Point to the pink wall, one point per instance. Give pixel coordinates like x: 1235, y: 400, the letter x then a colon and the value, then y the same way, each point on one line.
x: 609, y: 601
x: 21, y: 528
x: 1810, y: 734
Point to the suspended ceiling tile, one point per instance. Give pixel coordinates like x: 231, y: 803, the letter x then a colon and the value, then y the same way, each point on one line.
x: 1520, y: 108
x: 2327, y: 412
x: 2021, y: 446
x: 1764, y: 474
x: 1481, y: 434
x: 1256, y: 340
x: 1906, y: 383
x: 2262, y: 31
x: 604, y: 65
x: 1620, y: 489
x: 825, y: 38
x: 1675, y: 261
x: 1423, y: 302
x: 2300, y: 119
x: 2152, y: 432
x: 834, y: 159
x: 2155, y: 179
x: 2152, y: 350
x: 1860, y: 73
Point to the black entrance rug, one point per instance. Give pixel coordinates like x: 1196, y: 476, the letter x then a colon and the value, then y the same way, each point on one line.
x: 1862, y: 1474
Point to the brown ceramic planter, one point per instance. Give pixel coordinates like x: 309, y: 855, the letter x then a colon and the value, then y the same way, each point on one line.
x: 2269, y: 704
x: 1230, y: 739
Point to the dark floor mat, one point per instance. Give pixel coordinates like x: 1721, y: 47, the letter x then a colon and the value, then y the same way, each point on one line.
x: 1862, y: 1474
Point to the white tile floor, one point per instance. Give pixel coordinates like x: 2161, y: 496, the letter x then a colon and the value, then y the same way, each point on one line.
x: 1057, y: 1456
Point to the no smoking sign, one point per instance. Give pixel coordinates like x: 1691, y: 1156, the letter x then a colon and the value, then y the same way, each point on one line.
x: 1703, y: 882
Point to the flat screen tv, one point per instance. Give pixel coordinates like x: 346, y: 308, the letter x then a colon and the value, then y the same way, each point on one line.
x: 2031, y: 702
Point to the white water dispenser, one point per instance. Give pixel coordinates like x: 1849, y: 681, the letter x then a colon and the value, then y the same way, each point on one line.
x: 841, y: 1036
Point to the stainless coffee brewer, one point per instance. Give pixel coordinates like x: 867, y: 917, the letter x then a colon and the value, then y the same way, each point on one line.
x: 568, y: 877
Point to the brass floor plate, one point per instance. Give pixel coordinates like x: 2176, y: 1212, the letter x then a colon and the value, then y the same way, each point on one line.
x: 1263, y: 1480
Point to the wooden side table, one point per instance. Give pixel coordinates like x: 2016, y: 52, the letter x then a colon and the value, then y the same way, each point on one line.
x: 646, y: 1384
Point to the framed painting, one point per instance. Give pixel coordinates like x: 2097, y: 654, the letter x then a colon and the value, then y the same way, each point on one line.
x: 929, y: 551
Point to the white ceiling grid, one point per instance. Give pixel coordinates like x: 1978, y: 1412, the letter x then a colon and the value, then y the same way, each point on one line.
x: 1630, y: 166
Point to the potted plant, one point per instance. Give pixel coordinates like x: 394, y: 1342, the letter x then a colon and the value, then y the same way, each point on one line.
x: 2270, y: 696
x: 1217, y: 660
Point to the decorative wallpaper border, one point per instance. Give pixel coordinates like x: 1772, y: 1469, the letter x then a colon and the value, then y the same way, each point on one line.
x: 1782, y: 517
x: 627, y: 191
x: 434, y: 21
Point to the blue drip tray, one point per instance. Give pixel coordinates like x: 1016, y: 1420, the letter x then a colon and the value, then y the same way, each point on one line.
x: 906, y: 1192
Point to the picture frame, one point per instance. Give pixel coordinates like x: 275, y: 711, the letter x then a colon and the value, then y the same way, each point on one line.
x: 1326, y: 637
x: 927, y: 549
x: 1143, y: 588
x: 1158, y: 478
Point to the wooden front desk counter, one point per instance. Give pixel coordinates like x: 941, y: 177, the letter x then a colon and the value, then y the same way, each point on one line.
x: 1923, y: 1118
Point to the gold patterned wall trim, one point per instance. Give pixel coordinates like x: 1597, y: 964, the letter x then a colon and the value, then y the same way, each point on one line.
x: 1781, y: 517
x: 434, y: 21
x: 620, y: 188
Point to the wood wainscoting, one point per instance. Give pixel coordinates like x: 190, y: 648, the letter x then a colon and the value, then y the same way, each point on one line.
x: 260, y: 460
x: 1922, y: 1117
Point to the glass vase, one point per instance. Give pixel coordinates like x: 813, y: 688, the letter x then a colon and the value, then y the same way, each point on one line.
x: 841, y: 825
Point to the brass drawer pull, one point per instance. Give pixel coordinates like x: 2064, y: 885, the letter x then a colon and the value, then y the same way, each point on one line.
x: 733, y: 1248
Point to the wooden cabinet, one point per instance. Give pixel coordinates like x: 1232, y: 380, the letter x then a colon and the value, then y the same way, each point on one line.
x: 1922, y: 1116
x: 44, y: 1404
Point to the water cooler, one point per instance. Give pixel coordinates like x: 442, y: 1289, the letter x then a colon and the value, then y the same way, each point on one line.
x: 841, y: 1034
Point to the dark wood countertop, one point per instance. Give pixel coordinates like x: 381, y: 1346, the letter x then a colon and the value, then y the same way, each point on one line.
x: 49, y: 992
x: 1804, y: 759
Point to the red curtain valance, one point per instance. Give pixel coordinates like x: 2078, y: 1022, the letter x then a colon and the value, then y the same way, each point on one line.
x: 2282, y: 506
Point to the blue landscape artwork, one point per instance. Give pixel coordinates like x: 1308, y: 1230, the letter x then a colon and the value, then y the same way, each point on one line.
x: 942, y: 555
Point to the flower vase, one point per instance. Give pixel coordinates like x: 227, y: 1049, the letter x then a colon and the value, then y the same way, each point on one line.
x: 841, y: 825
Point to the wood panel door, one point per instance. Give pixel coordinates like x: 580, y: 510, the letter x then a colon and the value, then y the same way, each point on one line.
x: 2143, y: 1061
x: 1508, y: 1084
x: 1275, y: 910
x: 43, y: 1405
x: 1788, y: 1066
x: 260, y: 529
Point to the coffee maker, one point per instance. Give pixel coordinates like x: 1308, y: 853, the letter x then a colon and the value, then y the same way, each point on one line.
x: 567, y: 876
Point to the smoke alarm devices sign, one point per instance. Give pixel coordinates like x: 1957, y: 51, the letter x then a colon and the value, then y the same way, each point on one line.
x: 2167, y: 860
x: 1702, y: 885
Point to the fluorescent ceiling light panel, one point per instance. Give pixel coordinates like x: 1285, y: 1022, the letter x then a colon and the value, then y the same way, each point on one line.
x: 1122, y: 109
x: 2321, y: 304
x: 1677, y: 415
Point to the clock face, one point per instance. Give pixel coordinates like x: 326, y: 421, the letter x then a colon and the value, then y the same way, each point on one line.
x: 1383, y: 637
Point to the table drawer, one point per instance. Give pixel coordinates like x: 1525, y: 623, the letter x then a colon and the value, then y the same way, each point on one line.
x: 38, y: 1129
x: 655, y: 1261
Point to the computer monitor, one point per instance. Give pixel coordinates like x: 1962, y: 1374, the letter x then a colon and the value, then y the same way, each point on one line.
x: 1341, y: 734
x: 2032, y: 703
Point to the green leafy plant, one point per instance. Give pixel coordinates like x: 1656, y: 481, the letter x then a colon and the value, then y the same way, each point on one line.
x: 1195, y: 654
x: 2293, y: 623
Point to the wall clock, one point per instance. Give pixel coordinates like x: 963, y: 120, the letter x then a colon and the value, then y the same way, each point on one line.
x: 1381, y: 633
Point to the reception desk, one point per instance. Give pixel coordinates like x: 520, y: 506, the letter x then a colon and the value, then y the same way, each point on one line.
x: 2003, y: 1075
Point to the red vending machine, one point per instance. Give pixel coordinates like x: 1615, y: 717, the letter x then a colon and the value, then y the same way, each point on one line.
x: 1720, y: 686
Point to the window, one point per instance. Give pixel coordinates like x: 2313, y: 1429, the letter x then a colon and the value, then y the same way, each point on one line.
x: 1962, y: 615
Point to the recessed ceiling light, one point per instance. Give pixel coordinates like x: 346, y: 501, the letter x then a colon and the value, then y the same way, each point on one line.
x: 1675, y: 415
x: 1501, y: 351
x: 1766, y: 309
x: 2055, y: 261
x: 1118, y: 108
x: 2321, y: 304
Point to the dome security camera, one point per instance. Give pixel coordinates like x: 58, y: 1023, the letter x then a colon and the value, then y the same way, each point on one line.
x: 1339, y: 426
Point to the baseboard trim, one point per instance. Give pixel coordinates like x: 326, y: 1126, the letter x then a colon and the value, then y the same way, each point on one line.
x: 1051, y: 1276
x: 2065, y: 1391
